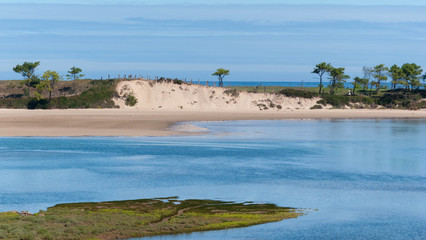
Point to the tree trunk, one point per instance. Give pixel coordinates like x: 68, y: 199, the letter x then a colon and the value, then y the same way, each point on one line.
x: 28, y: 87
x: 320, y: 86
x: 75, y: 86
x: 378, y: 87
x: 220, y: 82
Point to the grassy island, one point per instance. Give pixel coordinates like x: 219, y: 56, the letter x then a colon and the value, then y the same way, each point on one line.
x: 137, y: 218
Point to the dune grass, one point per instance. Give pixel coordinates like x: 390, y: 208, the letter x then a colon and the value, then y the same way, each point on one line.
x: 392, y: 99
x: 137, y: 218
x: 88, y: 94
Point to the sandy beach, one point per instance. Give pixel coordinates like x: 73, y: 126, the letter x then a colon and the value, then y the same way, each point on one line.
x: 125, y: 122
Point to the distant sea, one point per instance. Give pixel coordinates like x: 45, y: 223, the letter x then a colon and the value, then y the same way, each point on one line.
x: 281, y: 84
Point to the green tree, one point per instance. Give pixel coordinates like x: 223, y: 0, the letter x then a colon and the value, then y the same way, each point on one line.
x: 367, y: 71
x: 50, y: 79
x: 357, y: 82
x: 221, y: 73
x: 411, y: 75
x: 337, y: 77
x: 40, y: 88
x: 397, y: 75
x: 321, y: 69
x: 75, y: 74
x: 27, y: 70
x: 380, y: 74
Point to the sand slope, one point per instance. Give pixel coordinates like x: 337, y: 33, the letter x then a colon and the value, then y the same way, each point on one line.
x: 162, y: 105
x: 169, y: 96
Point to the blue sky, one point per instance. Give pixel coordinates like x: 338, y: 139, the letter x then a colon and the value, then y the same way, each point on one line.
x: 257, y: 40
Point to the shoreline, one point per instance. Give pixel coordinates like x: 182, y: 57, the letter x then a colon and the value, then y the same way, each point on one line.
x: 134, y: 123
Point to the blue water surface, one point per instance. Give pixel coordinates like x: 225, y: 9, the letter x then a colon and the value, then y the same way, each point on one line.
x: 367, y: 178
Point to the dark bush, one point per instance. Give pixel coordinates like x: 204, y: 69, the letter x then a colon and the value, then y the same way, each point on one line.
x: 316, y: 107
x: 38, y: 104
x: 337, y: 101
x: 402, y: 100
x: 14, y: 103
x: 169, y: 80
x: 131, y: 100
x: 177, y: 81
x: 298, y: 93
x: 340, y: 101
x: 232, y: 92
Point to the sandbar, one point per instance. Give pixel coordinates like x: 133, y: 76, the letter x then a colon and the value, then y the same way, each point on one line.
x: 132, y: 122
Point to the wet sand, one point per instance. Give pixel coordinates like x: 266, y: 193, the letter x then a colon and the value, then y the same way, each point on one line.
x: 119, y: 122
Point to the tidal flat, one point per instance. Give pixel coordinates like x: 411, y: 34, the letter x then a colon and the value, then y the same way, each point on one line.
x: 137, y: 218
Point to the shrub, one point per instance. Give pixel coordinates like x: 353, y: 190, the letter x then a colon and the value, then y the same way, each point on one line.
x: 298, y: 93
x: 177, y: 81
x: 98, y: 95
x: 334, y: 100
x: 402, y: 100
x: 316, y: 107
x: 169, y: 80
x: 340, y: 101
x: 14, y: 103
x: 38, y: 104
x: 131, y: 100
x: 232, y: 92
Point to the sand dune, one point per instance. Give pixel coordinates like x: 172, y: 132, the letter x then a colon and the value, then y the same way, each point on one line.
x: 169, y: 96
x: 162, y: 105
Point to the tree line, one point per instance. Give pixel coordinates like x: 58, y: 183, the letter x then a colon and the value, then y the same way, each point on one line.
x: 47, y: 82
x: 408, y: 76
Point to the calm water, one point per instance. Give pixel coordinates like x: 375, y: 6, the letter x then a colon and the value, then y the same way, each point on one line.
x: 367, y: 178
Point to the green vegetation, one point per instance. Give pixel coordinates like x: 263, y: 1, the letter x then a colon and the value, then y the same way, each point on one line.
x: 232, y: 92
x: 316, y: 107
x: 92, y: 94
x: 131, y: 100
x: 75, y: 74
x: 408, y: 75
x: 137, y: 218
x: 49, y: 92
x: 27, y: 70
x: 396, y: 99
x: 321, y: 69
x: 289, y: 92
x: 52, y: 93
x: 221, y: 73
x: 49, y: 82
